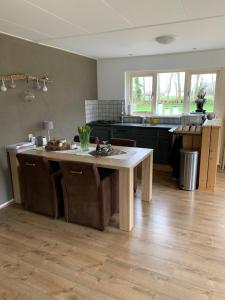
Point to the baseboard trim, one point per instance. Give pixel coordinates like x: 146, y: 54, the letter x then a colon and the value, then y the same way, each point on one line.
x: 6, y: 203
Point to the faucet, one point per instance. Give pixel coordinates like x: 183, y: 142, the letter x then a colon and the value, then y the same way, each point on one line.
x: 122, y: 117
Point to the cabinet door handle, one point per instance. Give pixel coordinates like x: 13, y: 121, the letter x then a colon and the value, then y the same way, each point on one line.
x: 76, y: 172
x: 30, y: 164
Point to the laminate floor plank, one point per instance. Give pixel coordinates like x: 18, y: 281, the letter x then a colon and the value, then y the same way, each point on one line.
x: 175, y: 251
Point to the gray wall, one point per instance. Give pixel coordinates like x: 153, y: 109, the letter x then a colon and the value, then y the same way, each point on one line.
x: 75, y: 79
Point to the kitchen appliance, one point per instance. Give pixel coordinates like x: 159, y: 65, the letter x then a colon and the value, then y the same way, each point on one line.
x: 41, y: 141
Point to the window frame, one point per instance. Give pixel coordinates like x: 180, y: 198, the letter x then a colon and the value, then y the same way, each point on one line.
x: 143, y: 74
x: 187, y: 86
x: 163, y: 72
x: 198, y: 72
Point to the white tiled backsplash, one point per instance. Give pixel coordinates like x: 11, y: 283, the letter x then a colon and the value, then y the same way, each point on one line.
x: 103, y: 110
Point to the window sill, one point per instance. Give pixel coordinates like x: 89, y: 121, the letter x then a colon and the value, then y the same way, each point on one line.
x: 155, y: 115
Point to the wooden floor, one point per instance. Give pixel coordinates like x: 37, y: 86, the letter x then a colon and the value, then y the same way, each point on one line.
x: 176, y: 251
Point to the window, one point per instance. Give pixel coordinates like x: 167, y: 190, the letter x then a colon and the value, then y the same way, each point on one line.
x: 141, y: 93
x: 170, y: 93
x: 203, y: 83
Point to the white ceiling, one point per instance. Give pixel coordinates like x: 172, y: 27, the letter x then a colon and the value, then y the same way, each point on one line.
x: 116, y: 28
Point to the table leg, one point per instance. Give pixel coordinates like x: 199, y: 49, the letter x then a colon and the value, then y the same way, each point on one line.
x: 147, y: 166
x: 126, y: 199
x: 15, y: 176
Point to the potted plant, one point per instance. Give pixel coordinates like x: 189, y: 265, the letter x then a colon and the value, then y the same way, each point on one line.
x: 200, y: 101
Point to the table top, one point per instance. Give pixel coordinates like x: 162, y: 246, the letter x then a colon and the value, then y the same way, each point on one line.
x: 130, y: 159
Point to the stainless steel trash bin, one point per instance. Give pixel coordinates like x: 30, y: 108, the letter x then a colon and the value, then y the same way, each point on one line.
x: 188, y: 169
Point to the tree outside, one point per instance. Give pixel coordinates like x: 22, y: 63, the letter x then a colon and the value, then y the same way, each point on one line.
x: 170, y: 92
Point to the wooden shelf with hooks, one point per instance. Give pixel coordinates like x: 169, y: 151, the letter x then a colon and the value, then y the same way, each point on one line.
x: 43, y: 78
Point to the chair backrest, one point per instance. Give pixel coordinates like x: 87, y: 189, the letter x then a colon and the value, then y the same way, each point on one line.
x: 93, y: 139
x: 37, y: 191
x: 81, y: 183
x: 122, y: 142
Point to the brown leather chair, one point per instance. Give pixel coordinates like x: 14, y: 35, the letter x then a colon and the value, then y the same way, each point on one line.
x: 122, y: 142
x: 115, y: 175
x: 93, y: 139
x: 41, y: 190
x: 87, y: 196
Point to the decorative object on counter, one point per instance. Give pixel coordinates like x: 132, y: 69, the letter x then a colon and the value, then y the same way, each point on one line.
x: 73, y: 145
x: 175, y: 110
x: 200, y: 101
x: 57, y: 145
x: 155, y: 121
x: 148, y: 120
x: 31, y: 138
x: 211, y: 116
x: 188, y: 129
x: 28, y: 78
x: 167, y: 111
x: 84, y: 132
x: 129, y: 109
x: 48, y: 125
x: 106, y: 150
x: 160, y: 108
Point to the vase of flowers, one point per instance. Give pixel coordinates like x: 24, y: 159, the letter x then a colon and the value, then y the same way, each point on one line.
x: 84, y: 132
x: 200, y: 101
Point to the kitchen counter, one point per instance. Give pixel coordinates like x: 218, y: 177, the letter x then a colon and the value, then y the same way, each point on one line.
x: 169, y: 126
x: 139, y: 125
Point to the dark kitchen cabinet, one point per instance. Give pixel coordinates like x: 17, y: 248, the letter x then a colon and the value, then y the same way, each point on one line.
x: 102, y: 132
x: 164, y: 146
x: 123, y: 132
x: 147, y: 138
x: 155, y: 138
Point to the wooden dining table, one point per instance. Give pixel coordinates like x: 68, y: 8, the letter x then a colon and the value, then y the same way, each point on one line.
x: 124, y: 163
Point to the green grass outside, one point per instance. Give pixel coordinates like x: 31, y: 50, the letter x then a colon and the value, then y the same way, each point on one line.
x: 209, y: 107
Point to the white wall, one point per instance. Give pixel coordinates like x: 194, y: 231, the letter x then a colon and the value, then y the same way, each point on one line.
x: 111, y: 72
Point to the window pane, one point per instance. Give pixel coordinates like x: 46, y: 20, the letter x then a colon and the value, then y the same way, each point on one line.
x: 170, y: 93
x: 141, y: 93
x: 203, y: 83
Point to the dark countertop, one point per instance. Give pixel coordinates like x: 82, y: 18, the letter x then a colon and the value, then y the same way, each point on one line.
x: 139, y: 125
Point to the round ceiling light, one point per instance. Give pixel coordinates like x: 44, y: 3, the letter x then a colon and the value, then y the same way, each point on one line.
x: 165, y: 39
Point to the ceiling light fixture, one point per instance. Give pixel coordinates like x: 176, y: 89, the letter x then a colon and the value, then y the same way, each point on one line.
x: 165, y: 39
